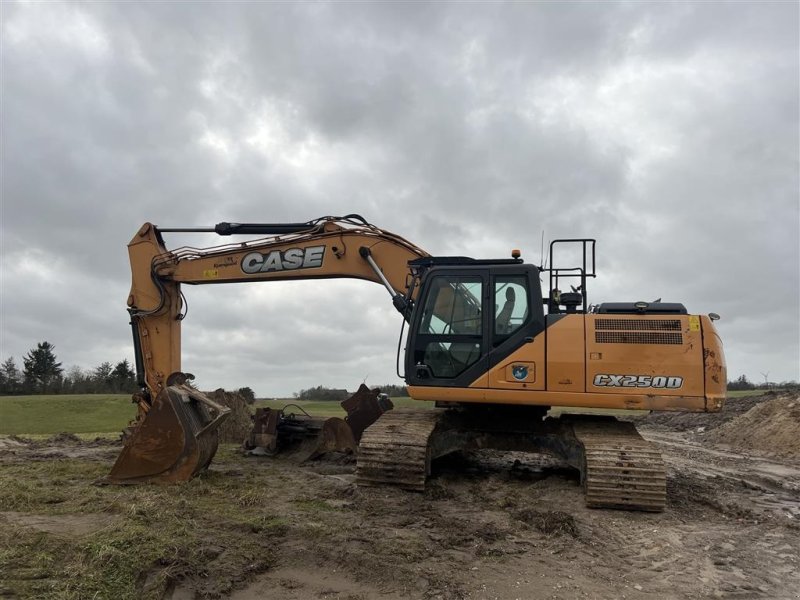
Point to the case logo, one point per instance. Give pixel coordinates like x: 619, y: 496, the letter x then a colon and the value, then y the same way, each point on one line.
x: 520, y: 372
x: 295, y: 258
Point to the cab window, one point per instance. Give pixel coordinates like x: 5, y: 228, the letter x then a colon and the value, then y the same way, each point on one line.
x: 510, y: 303
x: 450, y: 331
x: 453, y: 307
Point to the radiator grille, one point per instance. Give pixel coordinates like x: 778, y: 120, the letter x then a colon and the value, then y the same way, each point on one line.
x: 637, y: 337
x: 638, y: 324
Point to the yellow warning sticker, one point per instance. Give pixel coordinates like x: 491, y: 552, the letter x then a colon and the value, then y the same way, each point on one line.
x: 694, y: 323
x: 210, y: 274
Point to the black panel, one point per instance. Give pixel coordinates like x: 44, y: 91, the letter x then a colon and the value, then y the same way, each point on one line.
x: 653, y: 308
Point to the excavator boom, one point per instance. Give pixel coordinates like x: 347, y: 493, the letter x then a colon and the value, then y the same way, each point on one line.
x: 174, y: 435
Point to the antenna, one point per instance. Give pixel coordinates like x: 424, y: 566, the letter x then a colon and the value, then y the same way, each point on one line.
x: 541, y: 253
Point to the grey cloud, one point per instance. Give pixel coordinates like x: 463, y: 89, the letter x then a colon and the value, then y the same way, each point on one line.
x: 467, y: 128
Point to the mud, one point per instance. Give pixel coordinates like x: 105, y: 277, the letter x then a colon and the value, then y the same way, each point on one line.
x: 73, y: 526
x: 63, y: 445
x: 502, y: 525
x: 492, y: 527
x: 680, y: 421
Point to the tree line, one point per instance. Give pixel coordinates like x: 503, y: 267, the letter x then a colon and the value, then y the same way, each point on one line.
x: 742, y: 383
x: 322, y: 393
x: 41, y: 373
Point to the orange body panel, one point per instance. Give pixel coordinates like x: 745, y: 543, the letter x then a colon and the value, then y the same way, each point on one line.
x: 530, y: 356
x: 639, y: 362
x: 644, y: 348
x: 716, y: 374
x: 545, y: 398
x: 566, y: 355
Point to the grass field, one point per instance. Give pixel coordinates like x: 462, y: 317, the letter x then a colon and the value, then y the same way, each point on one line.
x: 107, y: 413
x: 104, y: 413
x: 80, y: 413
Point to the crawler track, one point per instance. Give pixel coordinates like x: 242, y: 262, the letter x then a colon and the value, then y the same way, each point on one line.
x: 621, y: 469
x: 395, y: 450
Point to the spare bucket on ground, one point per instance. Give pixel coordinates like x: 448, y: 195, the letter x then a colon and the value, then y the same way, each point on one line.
x: 306, y: 437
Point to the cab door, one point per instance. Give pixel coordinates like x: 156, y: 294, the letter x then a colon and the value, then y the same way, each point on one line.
x: 516, y: 358
x: 448, y: 342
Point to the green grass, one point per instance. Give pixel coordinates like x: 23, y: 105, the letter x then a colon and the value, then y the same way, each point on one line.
x: 97, y: 414
x: 80, y: 413
x: 214, y: 529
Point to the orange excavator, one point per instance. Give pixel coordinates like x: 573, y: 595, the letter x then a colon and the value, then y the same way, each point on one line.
x: 482, y: 342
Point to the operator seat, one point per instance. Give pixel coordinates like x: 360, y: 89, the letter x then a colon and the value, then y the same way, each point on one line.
x: 503, y: 320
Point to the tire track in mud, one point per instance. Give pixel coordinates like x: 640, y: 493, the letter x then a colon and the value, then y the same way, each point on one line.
x: 751, y: 547
x: 719, y: 537
x: 756, y: 484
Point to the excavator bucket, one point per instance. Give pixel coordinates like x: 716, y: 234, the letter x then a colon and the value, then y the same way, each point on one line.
x: 304, y: 437
x: 174, y: 441
x: 301, y: 436
x: 323, y: 436
x: 364, y: 408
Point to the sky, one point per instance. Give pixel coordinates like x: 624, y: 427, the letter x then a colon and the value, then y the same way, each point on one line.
x: 667, y: 131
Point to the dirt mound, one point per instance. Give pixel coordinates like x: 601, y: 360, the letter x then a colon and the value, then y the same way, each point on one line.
x: 239, y: 423
x: 772, y: 426
x: 733, y: 408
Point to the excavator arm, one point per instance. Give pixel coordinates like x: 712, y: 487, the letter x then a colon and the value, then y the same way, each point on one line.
x: 174, y: 435
x: 329, y: 247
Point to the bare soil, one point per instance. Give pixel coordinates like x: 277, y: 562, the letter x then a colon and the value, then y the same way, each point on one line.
x: 239, y: 423
x: 494, y: 525
x: 771, y: 427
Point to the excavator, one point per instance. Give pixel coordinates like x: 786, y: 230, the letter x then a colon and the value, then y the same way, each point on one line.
x: 482, y: 342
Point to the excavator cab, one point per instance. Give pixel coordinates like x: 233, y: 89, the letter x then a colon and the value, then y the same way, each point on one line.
x: 470, y: 315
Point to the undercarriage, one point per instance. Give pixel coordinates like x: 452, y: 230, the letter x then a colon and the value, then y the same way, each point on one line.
x: 618, y: 468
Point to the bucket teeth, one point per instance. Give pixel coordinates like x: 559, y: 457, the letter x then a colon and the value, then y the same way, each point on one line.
x: 174, y: 441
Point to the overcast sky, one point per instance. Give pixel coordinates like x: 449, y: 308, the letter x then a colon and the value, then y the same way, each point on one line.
x: 668, y: 131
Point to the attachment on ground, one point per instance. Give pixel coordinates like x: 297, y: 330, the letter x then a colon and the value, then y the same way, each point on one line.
x: 172, y: 441
x: 306, y: 437
x: 301, y: 436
